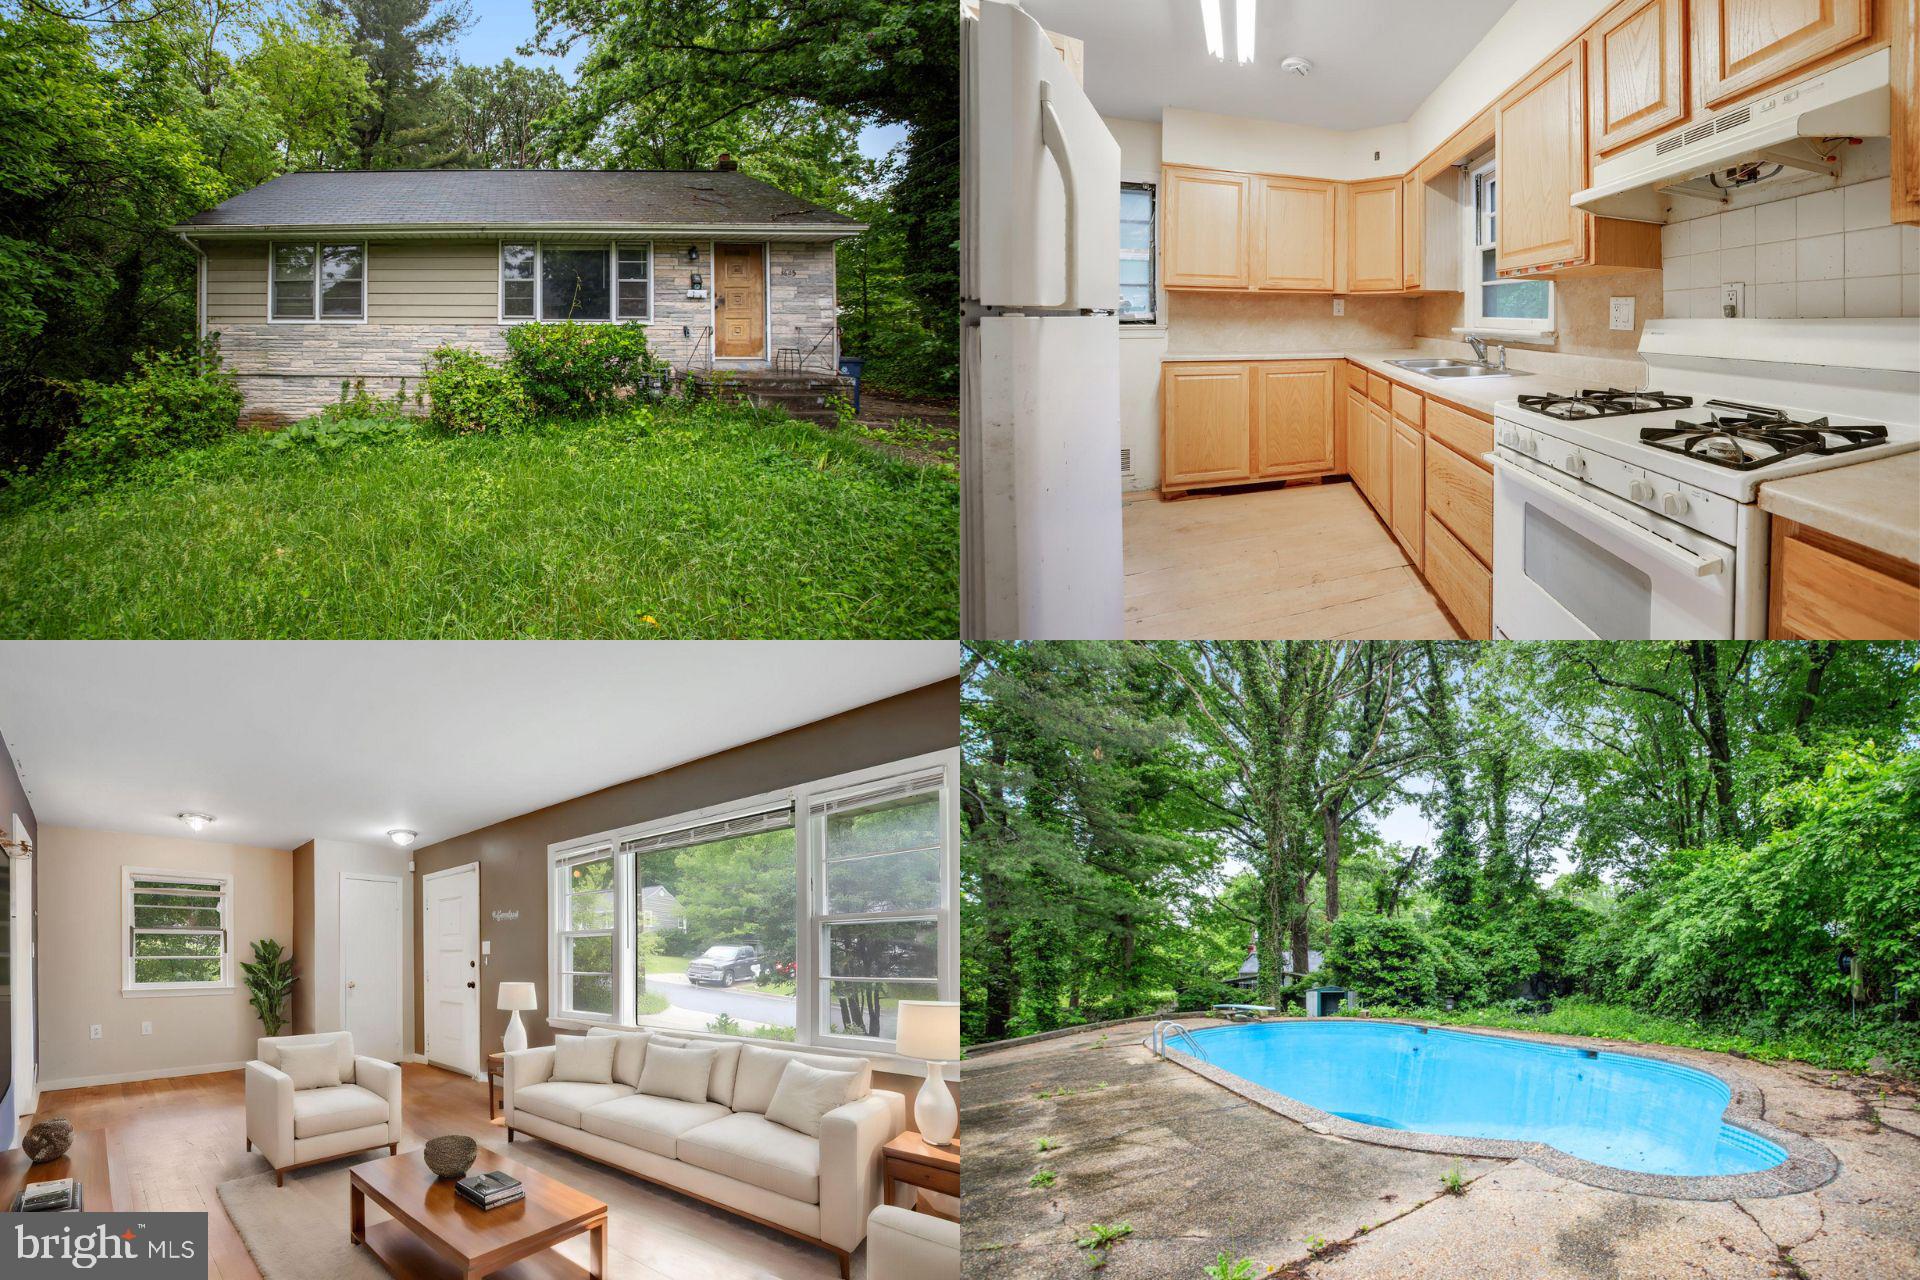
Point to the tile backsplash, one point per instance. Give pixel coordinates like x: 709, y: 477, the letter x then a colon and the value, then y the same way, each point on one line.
x: 1817, y: 255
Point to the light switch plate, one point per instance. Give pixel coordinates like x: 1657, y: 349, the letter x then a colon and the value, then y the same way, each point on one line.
x: 146, y: 1028
x: 1339, y: 306
x: 1620, y: 314
x: 1733, y: 300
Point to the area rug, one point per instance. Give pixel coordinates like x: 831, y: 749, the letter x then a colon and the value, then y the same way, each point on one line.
x: 299, y: 1232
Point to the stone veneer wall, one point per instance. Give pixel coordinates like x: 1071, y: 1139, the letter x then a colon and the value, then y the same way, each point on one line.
x: 289, y: 371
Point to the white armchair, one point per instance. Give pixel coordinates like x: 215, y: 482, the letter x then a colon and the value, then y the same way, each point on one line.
x: 297, y: 1127
x: 903, y: 1245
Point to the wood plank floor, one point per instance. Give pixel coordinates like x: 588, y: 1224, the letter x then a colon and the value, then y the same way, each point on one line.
x: 172, y: 1142
x: 1309, y: 562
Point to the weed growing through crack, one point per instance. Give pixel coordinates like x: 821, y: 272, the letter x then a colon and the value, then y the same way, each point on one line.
x: 1226, y: 1268
x: 1454, y: 1181
x: 1099, y: 1239
x: 1043, y: 1178
x: 1044, y: 1144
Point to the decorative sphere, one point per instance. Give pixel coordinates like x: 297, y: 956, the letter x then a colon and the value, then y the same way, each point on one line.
x: 48, y: 1140
x: 452, y: 1155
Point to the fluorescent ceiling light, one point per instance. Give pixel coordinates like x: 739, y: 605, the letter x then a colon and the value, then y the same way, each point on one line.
x: 1210, y: 18
x: 1243, y: 30
x: 402, y: 837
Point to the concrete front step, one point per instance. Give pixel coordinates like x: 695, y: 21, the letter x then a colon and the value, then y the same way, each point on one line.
x: 803, y: 396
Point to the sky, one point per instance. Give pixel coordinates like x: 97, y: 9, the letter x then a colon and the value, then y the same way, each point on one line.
x: 502, y: 26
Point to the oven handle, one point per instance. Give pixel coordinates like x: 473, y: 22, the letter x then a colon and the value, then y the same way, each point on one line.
x: 1694, y: 566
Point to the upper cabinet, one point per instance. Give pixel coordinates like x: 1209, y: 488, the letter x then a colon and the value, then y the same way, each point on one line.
x: 1739, y: 45
x: 1296, y: 224
x: 1373, y: 240
x: 1413, y: 202
x: 1206, y: 229
x: 1636, y: 72
x: 1906, y: 111
x: 1540, y: 138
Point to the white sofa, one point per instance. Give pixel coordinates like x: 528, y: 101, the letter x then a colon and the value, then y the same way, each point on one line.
x: 723, y: 1151
x: 904, y: 1245
x: 297, y: 1127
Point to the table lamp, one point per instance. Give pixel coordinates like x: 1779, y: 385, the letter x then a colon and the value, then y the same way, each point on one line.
x: 516, y: 996
x: 930, y: 1029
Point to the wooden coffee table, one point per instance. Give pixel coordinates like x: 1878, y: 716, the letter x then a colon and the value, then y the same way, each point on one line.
x: 434, y: 1233
x: 85, y: 1162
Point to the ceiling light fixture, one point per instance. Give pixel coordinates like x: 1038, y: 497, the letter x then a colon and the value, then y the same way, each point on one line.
x: 196, y: 821
x: 1243, y: 30
x: 1210, y: 19
x: 402, y: 837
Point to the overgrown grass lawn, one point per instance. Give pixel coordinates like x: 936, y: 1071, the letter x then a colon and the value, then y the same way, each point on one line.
x: 666, y: 521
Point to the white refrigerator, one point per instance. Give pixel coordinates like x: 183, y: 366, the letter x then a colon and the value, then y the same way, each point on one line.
x: 1040, y: 341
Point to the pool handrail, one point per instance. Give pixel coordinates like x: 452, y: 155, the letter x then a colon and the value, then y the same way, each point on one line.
x: 1161, y: 1035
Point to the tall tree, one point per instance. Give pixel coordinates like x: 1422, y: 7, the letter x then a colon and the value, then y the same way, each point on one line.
x: 495, y: 115
x: 404, y: 44
x: 1456, y: 870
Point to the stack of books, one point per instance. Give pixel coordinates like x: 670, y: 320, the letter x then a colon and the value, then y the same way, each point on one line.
x: 490, y: 1190
x: 58, y: 1195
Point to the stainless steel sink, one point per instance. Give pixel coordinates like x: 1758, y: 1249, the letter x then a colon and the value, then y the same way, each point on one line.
x: 1443, y: 368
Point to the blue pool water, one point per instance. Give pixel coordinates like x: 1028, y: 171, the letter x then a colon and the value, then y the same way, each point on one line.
x: 1613, y: 1109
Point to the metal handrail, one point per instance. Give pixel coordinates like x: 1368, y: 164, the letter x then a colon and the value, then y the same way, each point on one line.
x: 1161, y: 1031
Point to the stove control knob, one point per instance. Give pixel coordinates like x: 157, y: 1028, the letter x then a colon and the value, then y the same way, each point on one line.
x: 1640, y: 491
x: 1577, y: 463
x: 1674, y: 504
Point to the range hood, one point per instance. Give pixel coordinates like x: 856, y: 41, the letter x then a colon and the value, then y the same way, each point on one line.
x: 1783, y: 135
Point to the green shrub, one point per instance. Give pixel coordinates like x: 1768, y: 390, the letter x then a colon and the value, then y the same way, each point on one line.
x: 1386, y: 960
x: 471, y: 394
x: 572, y: 369
x: 356, y: 402
x: 169, y: 401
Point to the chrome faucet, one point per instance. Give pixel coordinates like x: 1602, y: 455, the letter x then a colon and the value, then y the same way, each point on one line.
x: 1479, y: 346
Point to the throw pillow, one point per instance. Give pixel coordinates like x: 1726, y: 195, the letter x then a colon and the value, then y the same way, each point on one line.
x: 760, y: 1071
x: 585, y: 1059
x: 626, y: 1058
x: 805, y: 1094
x: 682, y: 1073
x: 312, y: 1066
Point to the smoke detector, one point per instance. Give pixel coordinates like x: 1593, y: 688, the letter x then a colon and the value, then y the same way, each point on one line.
x: 1296, y: 66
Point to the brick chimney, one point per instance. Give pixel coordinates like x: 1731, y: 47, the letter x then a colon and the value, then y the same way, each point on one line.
x: 725, y: 164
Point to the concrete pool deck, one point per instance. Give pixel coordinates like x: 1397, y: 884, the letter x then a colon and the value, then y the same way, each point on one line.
x: 1197, y: 1169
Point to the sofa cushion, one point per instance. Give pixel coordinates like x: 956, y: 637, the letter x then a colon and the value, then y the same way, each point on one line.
x: 585, y: 1059
x: 267, y: 1048
x: 310, y: 1066
x: 563, y: 1101
x: 650, y: 1123
x: 754, y: 1150
x: 805, y: 1094
x: 319, y: 1112
x: 671, y: 1071
x: 760, y: 1071
x: 726, y: 1064
x: 630, y: 1049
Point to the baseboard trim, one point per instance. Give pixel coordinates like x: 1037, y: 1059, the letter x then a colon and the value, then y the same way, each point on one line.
x: 129, y: 1077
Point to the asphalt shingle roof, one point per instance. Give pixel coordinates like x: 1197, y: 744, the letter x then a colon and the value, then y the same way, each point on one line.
x: 518, y: 198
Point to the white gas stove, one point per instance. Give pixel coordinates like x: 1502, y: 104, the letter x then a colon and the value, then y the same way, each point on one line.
x: 1632, y: 515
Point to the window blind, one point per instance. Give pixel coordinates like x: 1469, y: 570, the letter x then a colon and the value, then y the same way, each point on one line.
x: 736, y: 824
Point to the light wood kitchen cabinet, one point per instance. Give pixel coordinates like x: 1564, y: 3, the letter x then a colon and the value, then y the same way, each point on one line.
x: 1357, y: 440
x: 1464, y: 585
x: 1295, y: 237
x: 1460, y: 496
x: 1467, y: 435
x: 1826, y: 588
x: 1206, y: 229
x: 1413, y: 206
x: 1906, y: 110
x: 1207, y: 423
x: 1409, y: 488
x: 1380, y: 461
x: 1293, y: 418
x: 1740, y: 45
x: 1379, y: 390
x: 1636, y: 72
x: 1373, y: 236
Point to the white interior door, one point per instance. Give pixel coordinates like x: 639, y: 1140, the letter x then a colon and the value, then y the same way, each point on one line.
x: 370, y: 960
x: 452, y: 920
x: 26, y: 1083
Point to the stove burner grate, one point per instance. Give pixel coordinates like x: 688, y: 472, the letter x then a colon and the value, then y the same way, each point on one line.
x: 1608, y: 403
x: 1754, y: 436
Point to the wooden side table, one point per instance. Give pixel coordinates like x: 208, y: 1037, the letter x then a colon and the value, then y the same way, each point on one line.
x: 85, y: 1162
x: 910, y: 1159
x: 496, y: 1070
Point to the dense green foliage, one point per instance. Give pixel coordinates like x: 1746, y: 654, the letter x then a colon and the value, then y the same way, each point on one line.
x: 471, y: 394
x: 167, y: 402
x: 674, y: 520
x: 570, y: 368
x: 1719, y: 840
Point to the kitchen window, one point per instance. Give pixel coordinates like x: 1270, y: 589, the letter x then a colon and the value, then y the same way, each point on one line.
x: 583, y: 282
x: 176, y: 932
x: 1137, y: 285
x: 1518, y: 307
x: 318, y: 282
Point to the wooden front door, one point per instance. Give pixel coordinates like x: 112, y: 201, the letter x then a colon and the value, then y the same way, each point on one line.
x: 740, y: 301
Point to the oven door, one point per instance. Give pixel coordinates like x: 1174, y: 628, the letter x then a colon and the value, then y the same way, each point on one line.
x: 1568, y: 564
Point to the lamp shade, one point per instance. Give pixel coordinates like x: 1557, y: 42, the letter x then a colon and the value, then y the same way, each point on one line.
x: 929, y: 1029
x: 517, y: 995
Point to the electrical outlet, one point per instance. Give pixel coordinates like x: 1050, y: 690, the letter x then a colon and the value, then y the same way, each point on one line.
x: 1339, y: 306
x: 1733, y: 300
x: 146, y: 1028
x: 1620, y: 314
x: 93, y: 1032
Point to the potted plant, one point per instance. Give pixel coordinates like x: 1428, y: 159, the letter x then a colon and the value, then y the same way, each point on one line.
x: 269, y: 983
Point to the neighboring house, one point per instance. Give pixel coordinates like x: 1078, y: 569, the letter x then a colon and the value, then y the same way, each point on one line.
x: 660, y: 910
x: 1249, y: 974
x: 317, y: 278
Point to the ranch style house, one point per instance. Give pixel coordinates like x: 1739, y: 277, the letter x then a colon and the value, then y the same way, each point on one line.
x: 315, y: 279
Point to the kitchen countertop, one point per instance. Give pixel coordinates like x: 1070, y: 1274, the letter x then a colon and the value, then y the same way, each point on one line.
x: 1876, y: 504
x: 1476, y: 394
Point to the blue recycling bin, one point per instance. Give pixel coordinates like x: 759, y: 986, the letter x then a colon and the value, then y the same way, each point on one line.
x: 850, y: 367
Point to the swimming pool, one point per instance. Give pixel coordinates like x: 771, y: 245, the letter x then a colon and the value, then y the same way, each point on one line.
x: 1613, y: 1109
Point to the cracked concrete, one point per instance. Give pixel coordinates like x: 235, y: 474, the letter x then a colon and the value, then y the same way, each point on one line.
x: 1198, y: 1170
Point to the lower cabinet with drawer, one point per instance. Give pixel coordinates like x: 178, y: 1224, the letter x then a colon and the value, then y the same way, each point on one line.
x: 1459, y: 516
x: 1826, y: 588
x: 1464, y: 585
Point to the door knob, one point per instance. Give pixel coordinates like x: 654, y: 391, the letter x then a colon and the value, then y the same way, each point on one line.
x: 469, y: 984
x: 349, y: 984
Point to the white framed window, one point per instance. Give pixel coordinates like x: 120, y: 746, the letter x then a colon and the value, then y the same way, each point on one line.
x: 314, y: 282
x: 804, y: 914
x: 1519, y: 307
x: 591, y: 282
x: 1138, y: 287
x: 176, y: 934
